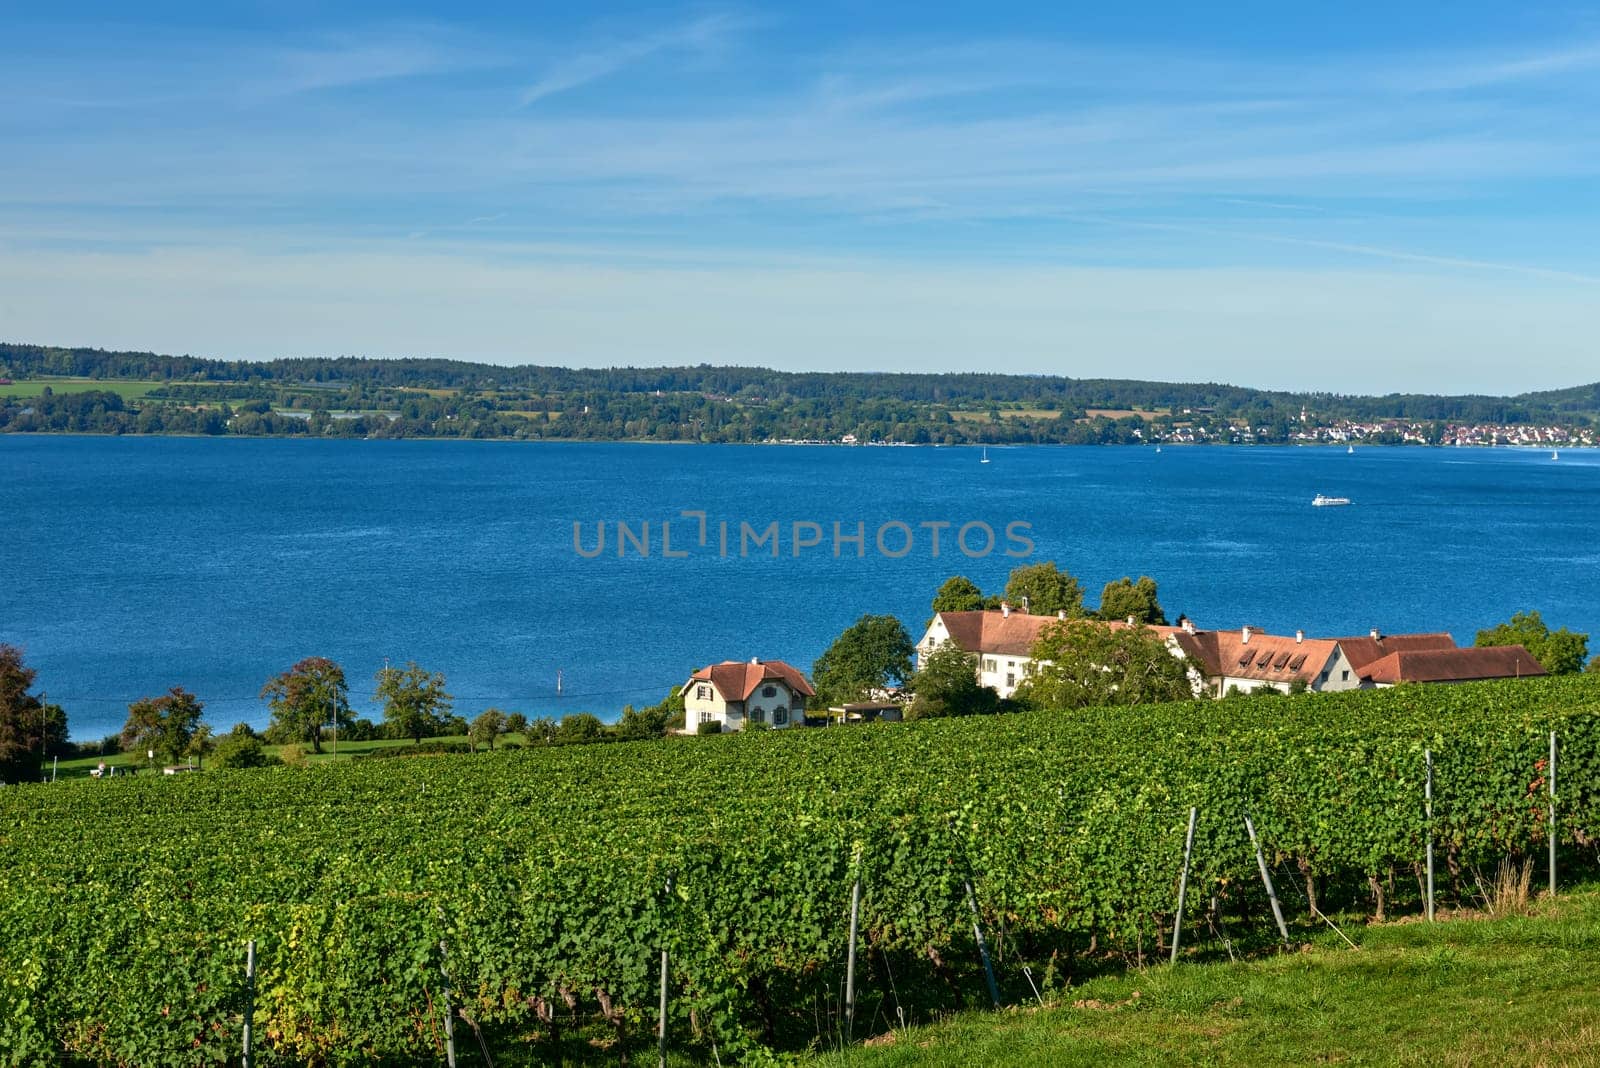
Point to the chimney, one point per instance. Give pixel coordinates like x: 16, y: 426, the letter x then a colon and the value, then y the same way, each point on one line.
x: 1375, y: 635
x: 1061, y: 613
x: 1244, y: 636
x: 1188, y: 625
x: 1299, y: 636
x: 755, y: 660
x: 1005, y: 610
x: 1131, y: 621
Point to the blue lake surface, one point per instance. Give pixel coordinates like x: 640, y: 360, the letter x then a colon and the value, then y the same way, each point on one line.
x: 136, y: 564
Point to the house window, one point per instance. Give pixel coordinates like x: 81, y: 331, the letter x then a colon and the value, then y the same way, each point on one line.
x: 990, y: 666
x: 769, y: 691
x: 780, y: 716
x: 1344, y: 676
x: 705, y: 717
x: 758, y: 715
x: 1011, y: 678
x: 702, y: 693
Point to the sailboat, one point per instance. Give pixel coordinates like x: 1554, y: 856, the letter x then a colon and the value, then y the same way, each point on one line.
x: 1350, y: 450
x: 1555, y: 455
x: 985, y: 455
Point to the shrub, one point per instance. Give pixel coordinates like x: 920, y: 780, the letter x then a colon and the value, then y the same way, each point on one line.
x: 709, y: 727
x: 240, y: 751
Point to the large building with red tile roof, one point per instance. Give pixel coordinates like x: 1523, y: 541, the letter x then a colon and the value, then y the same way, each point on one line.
x: 735, y: 693
x: 1243, y: 660
x: 1453, y: 665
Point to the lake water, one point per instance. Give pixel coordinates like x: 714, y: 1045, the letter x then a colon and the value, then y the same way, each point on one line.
x: 136, y: 564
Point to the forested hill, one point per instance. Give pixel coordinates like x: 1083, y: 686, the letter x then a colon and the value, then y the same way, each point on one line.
x: 422, y: 396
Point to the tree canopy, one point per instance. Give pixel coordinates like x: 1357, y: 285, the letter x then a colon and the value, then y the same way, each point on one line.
x: 1044, y: 590
x: 167, y: 725
x: 948, y: 685
x: 873, y: 652
x: 30, y: 729
x: 309, y: 696
x: 1125, y: 597
x: 1560, y: 652
x: 415, y: 704
x: 958, y: 594
x: 1080, y: 664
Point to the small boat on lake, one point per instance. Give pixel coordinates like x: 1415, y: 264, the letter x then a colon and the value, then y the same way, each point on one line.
x: 985, y: 455
x: 1319, y: 501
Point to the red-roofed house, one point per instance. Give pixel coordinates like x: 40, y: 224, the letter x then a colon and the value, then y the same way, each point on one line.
x: 1453, y: 665
x: 1248, y: 660
x: 1002, y: 641
x: 1377, y: 645
x: 734, y: 693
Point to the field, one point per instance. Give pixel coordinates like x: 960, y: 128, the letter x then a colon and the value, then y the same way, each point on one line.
x: 33, y: 387
x: 536, y: 888
x: 1505, y: 990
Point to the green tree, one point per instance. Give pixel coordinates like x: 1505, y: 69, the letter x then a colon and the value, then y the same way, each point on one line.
x: 872, y: 653
x: 958, y: 594
x: 30, y: 729
x: 306, y: 698
x: 541, y: 731
x: 948, y: 685
x: 1594, y: 666
x: 165, y: 725
x: 516, y: 723
x: 1560, y: 652
x: 240, y: 751
x: 486, y: 727
x: 202, y: 743
x: 1045, y: 590
x: 646, y: 723
x: 1124, y: 598
x: 414, y: 702
x: 578, y: 729
x: 1081, y: 664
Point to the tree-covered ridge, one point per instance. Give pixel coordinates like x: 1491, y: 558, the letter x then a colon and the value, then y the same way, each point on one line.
x: 351, y: 396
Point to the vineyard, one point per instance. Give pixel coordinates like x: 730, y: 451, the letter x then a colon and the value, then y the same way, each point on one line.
x: 533, y: 892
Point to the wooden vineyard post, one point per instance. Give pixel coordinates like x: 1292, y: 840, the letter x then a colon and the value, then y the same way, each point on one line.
x: 661, y: 1019
x: 850, y: 960
x: 1266, y: 880
x: 1551, y: 777
x: 1183, y: 883
x: 249, y: 1000
x: 449, y: 1012
x: 983, y: 947
x: 1427, y: 801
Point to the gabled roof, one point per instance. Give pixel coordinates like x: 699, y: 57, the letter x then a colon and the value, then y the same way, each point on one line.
x: 1454, y: 665
x: 1264, y: 657
x: 736, y: 680
x: 999, y: 634
x: 1369, y: 650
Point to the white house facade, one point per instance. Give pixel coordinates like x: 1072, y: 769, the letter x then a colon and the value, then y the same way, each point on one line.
x: 735, y: 693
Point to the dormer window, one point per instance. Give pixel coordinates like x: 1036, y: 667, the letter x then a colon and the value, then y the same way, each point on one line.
x: 769, y: 691
x: 702, y: 693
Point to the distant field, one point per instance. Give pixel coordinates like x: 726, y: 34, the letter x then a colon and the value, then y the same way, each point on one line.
x: 1007, y: 413
x: 79, y: 768
x: 1123, y: 413
x: 33, y: 387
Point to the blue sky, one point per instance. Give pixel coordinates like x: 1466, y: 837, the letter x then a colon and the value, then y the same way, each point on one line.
x: 1359, y: 199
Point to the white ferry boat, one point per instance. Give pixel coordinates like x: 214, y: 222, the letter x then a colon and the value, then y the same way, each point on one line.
x: 1319, y: 501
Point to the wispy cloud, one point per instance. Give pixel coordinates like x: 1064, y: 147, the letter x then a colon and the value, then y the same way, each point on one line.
x: 594, y: 64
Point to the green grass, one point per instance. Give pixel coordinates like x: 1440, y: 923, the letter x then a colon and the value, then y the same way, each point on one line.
x: 1517, y: 990
x: 33, y: 387
x: 79, y: 767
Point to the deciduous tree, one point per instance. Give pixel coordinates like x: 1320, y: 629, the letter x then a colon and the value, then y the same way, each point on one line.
x: 165, y: 725
x: 1560, y: 652
x: 486, y: 727
x: 948, y: 685
x: 958, y: 594
x: 308, y: 697
x: 1125, y: 597
x: 30, y: 729
x: 1079, y: 664
x: 872, y: 653
x: 1045, y: 590
x: 414, y: 702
